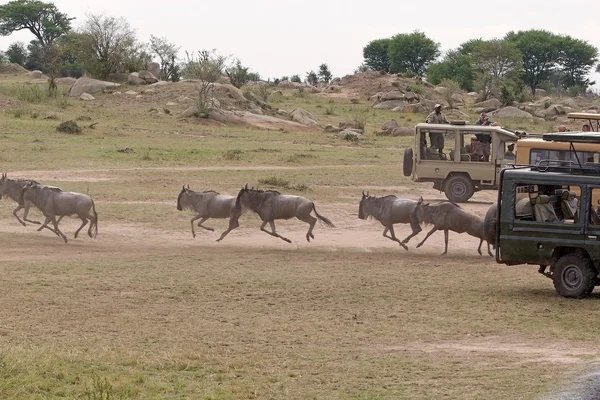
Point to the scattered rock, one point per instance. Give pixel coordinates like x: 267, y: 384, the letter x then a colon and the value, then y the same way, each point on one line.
x: 35, y: 74
x: 118, y: 93
x: 89, y: 85
x: 488, y: 105
x: 154, y: 68
x: 389, y: 104
x: 86, y: 96
x: 183, y: 99
x: 393, y: 95
x: 65, y: 81
x: 149, y: 91
x: 411, y: 97
x: 511, y: 112
x: 171, y: 104
x: 350, y: 136
x: 332, y: 129
x: 191, y: 111
x: 131, y: 92
x: 147, y: 76
x: 304, y: 117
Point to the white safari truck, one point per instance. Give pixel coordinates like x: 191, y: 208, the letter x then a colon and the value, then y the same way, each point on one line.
x: 456, y: 170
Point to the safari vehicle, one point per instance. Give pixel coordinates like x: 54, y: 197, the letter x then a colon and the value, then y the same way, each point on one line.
x: 593, y: 120
x: 540, y: 220
x: 455, y: 172
x: 533, y: 150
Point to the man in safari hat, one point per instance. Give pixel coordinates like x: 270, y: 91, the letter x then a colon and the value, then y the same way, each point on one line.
x: 436, y: 117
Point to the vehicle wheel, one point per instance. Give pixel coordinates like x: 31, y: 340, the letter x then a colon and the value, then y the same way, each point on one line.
x: 407, y: 165
x: 574, y: 276
x: 459, y: 188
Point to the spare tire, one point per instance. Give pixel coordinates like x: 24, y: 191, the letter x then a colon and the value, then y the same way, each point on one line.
x: 407, y: 165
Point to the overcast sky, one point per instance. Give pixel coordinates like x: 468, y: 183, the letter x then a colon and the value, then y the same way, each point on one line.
x: 282, y: 37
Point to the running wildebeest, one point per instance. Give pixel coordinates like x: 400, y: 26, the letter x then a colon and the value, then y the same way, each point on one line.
x: 389, y: 210
x: 12, y: 188
x: 449, y: 216
x: 271, y: 205
x: 53, y: 202
x: 207, y: 204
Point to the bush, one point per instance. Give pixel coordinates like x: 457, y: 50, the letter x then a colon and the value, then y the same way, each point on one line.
x: 69, y: 127
x: 451, y: 88
x: 235, y: 154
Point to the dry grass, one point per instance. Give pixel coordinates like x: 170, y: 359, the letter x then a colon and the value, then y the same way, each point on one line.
x: 147, y: 312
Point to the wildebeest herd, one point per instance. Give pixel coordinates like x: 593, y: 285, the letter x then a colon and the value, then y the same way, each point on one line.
x: 270, y: 205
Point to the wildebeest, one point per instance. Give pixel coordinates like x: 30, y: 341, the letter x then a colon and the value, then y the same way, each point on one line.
x: 207, y: 204
x: 12, y: 188
x: 389, y: 210
x: 53, y: 202
x: 449, y: 216
x: 271, y: 205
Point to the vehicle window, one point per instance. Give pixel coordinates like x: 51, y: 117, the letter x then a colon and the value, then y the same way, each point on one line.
x: 595, y: 207
x: 561, y: 156
x: 547, y: 203
x: 437, y: 144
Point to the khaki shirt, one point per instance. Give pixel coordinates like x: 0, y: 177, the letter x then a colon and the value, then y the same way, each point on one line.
x: 434, y: 118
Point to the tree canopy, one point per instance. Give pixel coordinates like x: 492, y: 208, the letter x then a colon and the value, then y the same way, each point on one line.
x: 412, y: 52
x: 376, y: 56
x: 43, y: 20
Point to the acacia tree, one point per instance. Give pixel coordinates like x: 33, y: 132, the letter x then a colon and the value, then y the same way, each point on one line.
x: 412, y: 52
x: 238, y: 74
x: 576, y: 59
x: 17, y: 53
x: 207, y: 67
x: 108, y: 45
x: 43, y: 20
x: 324, y: 73
x: 376, y: 56
x: 496, y: 61
x: 456, y: 66
x: 312, y: 78
x: 167, y: 54
x: 540, y: 50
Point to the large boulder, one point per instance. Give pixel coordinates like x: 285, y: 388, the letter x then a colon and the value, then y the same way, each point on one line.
x: 554, y: 110
x: 35, y: 74
x: 488, y: 105
x: 65, y: 81
x: 89, y: 85
x: 154, y: 69
x: 389, y: 104
x: 393, y: 95
x: 411, y: 108
x: 135, y: 79
x: 304, y: 117
x: 411, y: 97
x: 148, y: 77
x: 511, y: 112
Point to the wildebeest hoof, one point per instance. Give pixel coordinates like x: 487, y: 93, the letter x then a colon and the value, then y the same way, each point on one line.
x: 287, y: 240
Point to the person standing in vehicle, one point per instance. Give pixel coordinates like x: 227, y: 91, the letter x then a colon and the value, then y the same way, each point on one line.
x: 436, y: 117
x: 484, y: 140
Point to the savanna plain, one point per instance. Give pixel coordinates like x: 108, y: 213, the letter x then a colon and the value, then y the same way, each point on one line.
x: 145, y: 311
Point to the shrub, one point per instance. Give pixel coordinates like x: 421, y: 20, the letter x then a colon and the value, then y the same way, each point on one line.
x: 451, y: 88
x: 274, y: 181
x: 235, y: 154
x: 69, y: 127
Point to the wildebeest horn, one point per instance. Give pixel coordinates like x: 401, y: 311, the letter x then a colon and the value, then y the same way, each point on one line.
x: 188, y: 186
x: 364, y: 194
x: 246, y: 187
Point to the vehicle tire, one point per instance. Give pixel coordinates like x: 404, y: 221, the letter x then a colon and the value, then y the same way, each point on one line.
x: 459, y: 188
x: 574, y: 276
x: 407, y: 165
x: 489, y: 224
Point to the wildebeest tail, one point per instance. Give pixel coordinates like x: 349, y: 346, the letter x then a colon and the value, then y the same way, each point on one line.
x: 322, y: 218
x: 95, y: 228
